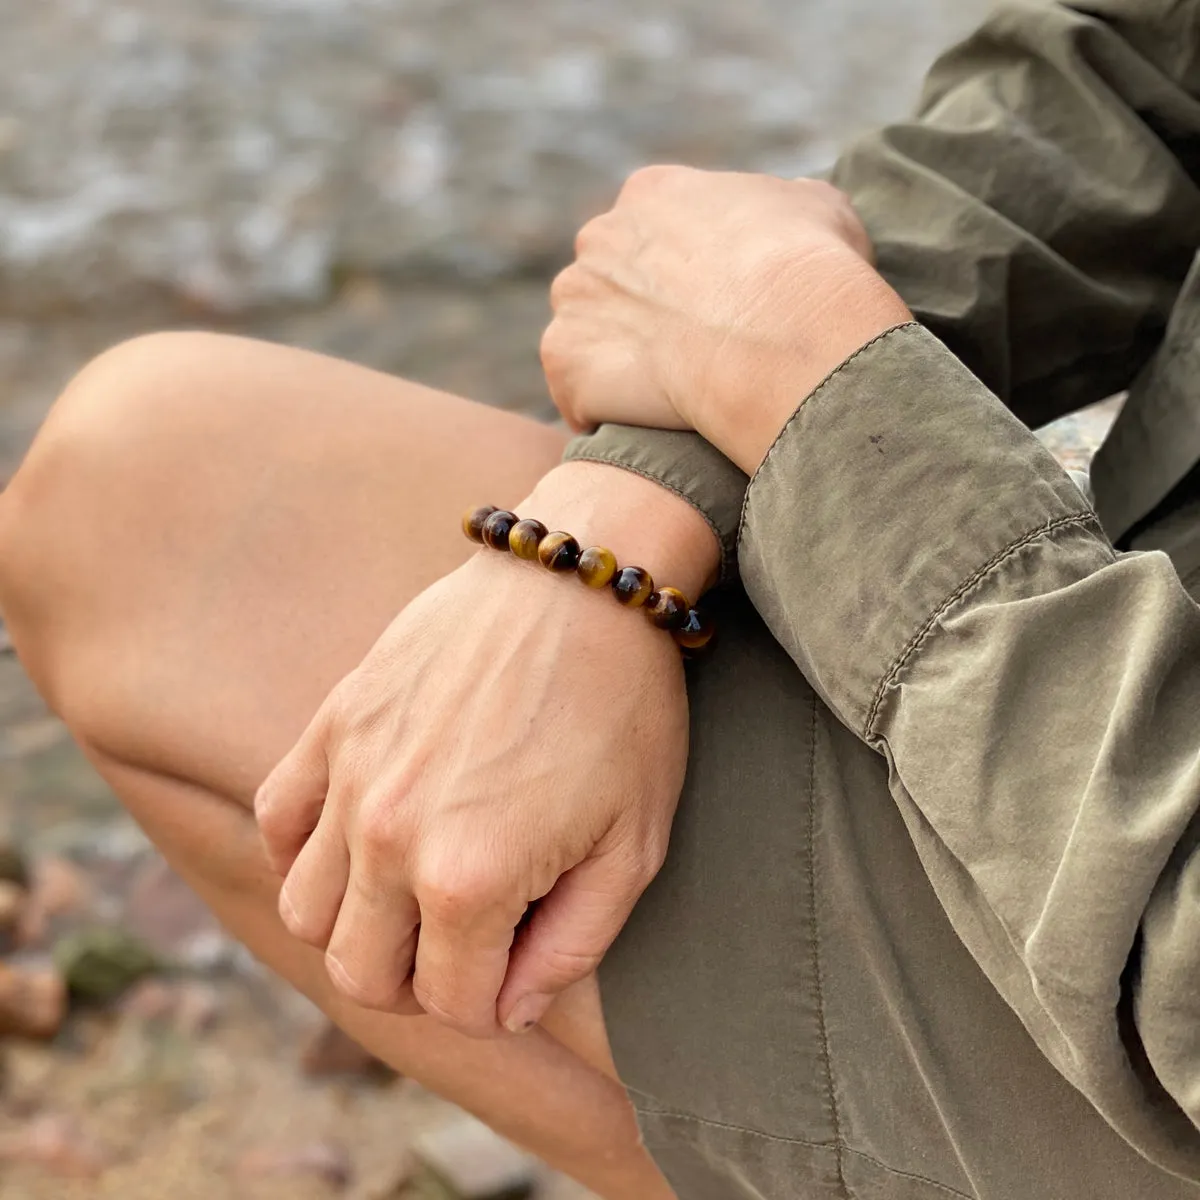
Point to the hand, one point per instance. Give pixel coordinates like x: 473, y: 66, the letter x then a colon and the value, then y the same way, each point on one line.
x: 713, y: 302
x: 512, y: 738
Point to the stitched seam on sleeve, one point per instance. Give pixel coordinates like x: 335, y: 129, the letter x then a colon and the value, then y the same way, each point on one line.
x: 887, y: 333
x: 728, y: 562
x: 1080, y: 519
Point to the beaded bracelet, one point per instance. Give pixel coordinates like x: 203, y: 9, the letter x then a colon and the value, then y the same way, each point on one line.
x: 666, y: 607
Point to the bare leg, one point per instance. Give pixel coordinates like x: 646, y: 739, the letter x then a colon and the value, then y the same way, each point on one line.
x: 207, y: 534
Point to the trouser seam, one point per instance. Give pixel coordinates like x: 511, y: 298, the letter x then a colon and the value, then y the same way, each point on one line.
x: 815, y: 943
x: 668, y: 1114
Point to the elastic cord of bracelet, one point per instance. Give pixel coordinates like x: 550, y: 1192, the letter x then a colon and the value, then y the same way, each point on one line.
x: 666, y: 607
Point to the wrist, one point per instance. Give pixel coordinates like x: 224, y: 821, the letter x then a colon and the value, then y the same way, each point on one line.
x: 640, y: 521
x: 743, y: 421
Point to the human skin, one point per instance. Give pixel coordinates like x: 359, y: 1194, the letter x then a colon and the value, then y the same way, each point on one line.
x: 714, y: 302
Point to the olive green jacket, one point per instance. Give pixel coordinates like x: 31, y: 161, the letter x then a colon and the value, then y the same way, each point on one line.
x: 945, y: 586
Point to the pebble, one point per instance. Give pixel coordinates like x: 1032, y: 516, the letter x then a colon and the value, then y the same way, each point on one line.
x: 33, y: 1001
x: 101, y: 963
x: 328, y: 1161
x: 56, y: 1143
x: 240, y: 158
x: 163, y: 911
x: 14, y: 865
x: 58, y: 890
x: 476, y: 1163
x: 14, y: 901
x: 329, y: 1051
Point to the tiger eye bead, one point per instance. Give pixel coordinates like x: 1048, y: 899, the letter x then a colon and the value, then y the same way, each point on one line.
x: 525, y: 537
x: 696, y: 632
x: 497, y: 528
x: 597, y: 566
x: 559, y: 552
x: 472, y: 522
x: 632, y: 586
x: 667, y: 608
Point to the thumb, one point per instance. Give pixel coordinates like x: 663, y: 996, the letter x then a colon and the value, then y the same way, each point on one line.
x: 565, y: 939
x: 288, y: 805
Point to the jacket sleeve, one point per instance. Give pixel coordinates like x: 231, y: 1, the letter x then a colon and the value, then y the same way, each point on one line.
x: 1038, y: 214
x: 948, y: 592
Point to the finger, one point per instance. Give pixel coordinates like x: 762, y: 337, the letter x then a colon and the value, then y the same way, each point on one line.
x: 313, y: 890
x: 288, y: 805
x: 566, y: 938
x: 462, y: 955
x: 373, y: 943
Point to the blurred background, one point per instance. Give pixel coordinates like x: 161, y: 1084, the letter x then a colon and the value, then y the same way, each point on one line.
x: 394, y: 182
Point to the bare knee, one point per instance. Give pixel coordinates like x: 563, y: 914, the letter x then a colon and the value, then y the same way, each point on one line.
x: 93, y: 458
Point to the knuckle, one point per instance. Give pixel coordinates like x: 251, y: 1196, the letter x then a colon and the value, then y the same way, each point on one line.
x: 266, y: 813
x: 382, y: 838
x: 454, y: 892
x: 436, y: 1006
x: 562, y: 287
x: 340, y: 708
x: 590, y: 234
x: 300, y: 923
x: 561, y: 967
x: 650, y: 178
x: 552, y: 347
x: 371, y: 992
x: 822, y: 189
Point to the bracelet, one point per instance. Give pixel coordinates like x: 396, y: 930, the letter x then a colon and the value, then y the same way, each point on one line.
x: 666, y: 607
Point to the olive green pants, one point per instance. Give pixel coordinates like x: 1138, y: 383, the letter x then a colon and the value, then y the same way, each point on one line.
x: 789, y: 1006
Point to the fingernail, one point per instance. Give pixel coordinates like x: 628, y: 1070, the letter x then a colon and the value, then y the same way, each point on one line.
x: 527, y: 1012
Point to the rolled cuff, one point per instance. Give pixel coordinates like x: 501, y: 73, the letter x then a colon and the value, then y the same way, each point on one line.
x: 683, y: 463
x: 896, y: 484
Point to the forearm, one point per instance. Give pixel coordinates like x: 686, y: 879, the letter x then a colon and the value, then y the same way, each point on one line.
x: 949, y: 593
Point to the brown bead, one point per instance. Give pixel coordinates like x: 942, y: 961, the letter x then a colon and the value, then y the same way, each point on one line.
x: 559, y: 552
x: 473, y: 519
x: 696, y: 632
x: 597, y: 566
x: 525, y: 537
x: 632, y: 586
x: 497, y: 528
x: 667, y: 608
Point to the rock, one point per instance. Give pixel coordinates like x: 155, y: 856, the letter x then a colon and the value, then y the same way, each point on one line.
x: 329, y: 1051
x: 58, y: 890
x: 14, y: 902
x: 475, y: 1163
x: 185, y: 1005
x: 101, y: 963
x: 328, y: 1161
x: 14, y: 866
x: 240, y: 160
x: 151, y: 1000
x: 57, y: 1144
x: 197, y: 1007
x: 33, y: 1001
x: 164, y: 912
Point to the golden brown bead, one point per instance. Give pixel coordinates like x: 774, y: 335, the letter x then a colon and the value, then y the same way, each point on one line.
x: 559, y: 552
x: 497, y: 528
x: 632, y: 586
x: 667, y: 608
x: 525, y: 537
x: 696, y: 632
x: 597, y: 566
x: 473, y: 519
